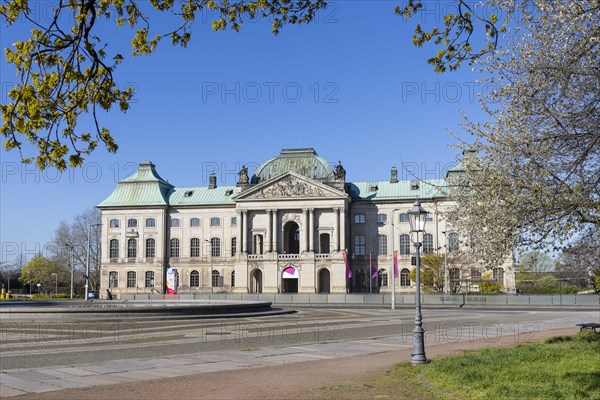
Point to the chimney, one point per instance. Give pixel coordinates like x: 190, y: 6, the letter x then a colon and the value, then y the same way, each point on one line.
x: 212, y: 181
x: 394, y: 177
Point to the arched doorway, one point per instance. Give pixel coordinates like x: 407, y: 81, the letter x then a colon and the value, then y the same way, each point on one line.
x: 256, y: 281
x: 324, y: 281
x: 291, y: 238
x: 289, y: 280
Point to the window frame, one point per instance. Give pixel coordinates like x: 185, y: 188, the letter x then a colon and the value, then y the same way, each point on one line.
x: 113, y: 274
x: 175, y: 223
x: 131, y: 250
x: 114, y: 223
x: 194, y: 222
x: 150, y: 250
x: 359, y: 245
x: 113, y: 251
x: 427, y: 244
x: 131, y: 279
x: 149, y: 283
x: 174, y: 248
x: 381, y: 218
x: 194, y: 247
x: 382, y: 245
x: 215, y: 247
x: 404, y: 248
x: 359, y: 218
x: 215, y: 222
x: 132, y: 223
x: 195, y: 278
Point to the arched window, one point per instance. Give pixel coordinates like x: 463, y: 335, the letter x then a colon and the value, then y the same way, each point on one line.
x: 194, y: 279
x: 232, y: 278
x: 498, y: 274
x: 195, y: 222
x: 427, y: 243
x: 195, y: 247
x: 114, y: 248
x: 453, y: 244
x: 475, y: 273
x: 114, y: 223
x: 174, y: 248
x: 382, y: 244
x: 382, y: 277
x: 215, y: 222
x: 404, y: 281
x: 131, y: 283
x: 132, y: 248
x: 215, y: 247
x: 215, y: 278
x: 150, y: 223
x: 113, y: 279
x: 405, y: 245
x: 233, y: 246
x: 149, y: 281
x: 132, y: 223
x: 150, y: 248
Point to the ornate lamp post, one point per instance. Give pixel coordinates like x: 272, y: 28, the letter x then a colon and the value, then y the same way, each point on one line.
x: 417, y: 217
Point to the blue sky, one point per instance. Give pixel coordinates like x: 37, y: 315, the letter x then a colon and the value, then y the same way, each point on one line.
x: 351, y: 85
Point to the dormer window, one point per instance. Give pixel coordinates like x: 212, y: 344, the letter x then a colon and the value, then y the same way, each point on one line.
x: 188, y: 193
x: 414, y: 185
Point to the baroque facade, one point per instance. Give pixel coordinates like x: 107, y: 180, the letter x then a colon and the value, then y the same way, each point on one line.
x: 289, y: 228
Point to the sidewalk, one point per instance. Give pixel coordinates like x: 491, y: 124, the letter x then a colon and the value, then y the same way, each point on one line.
x: 272, y: 373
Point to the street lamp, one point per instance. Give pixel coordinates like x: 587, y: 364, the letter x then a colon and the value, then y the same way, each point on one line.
x: 87, y: 264
x: 55, y: 282
x: 417, y: 217
x: 446, y: 272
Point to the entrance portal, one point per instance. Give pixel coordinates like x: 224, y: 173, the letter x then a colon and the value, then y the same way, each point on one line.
x: 289, y: 280
x: 256, y: 281
x: 324, y: 282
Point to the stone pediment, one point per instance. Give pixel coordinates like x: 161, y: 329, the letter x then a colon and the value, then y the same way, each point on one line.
x: 290, y: 185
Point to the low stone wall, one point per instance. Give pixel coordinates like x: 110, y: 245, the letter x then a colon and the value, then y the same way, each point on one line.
x: 358, y: 298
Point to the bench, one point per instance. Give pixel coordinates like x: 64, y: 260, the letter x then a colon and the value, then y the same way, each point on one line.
x: 591, y: 326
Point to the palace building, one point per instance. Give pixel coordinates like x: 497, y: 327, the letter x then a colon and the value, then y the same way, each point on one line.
x: 295, y: 226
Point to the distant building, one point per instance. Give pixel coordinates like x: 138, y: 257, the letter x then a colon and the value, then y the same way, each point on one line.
x: 285, y: 229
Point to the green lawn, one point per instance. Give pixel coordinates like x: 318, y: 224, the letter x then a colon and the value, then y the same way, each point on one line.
x: 560, y: 368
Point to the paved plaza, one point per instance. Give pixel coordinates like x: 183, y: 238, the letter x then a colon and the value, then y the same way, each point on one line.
x: 49, y: 356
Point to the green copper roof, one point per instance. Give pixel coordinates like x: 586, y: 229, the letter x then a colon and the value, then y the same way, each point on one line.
x: 195, y: 196
x: 143, y: 188
x: 305, y: 162
x: 384, y: 190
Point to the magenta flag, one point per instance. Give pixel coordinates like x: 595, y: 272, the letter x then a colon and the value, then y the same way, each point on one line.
x: 374, y: 272
x: 396, y: 263
x: 348, y: 270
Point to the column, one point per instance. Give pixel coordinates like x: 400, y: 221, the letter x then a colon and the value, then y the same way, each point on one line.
x: 243, y: 240
x: 303, y: 229
x: 269, y: 237
x: 311, y: 229
x: 343, y: 228
x: 336, y: 229
x: 274, y: 231
x: 238, y: 250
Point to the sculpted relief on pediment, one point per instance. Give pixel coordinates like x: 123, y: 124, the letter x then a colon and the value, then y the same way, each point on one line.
x: 291, y: 187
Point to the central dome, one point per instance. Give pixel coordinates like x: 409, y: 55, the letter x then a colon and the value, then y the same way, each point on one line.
x: 301, y: 161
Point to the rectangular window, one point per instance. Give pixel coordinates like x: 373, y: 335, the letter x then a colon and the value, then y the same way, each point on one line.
x: 132, y: 223
x: 114, y: 223
x: 233, y: 247
x: 429, y: 216
x: 359, y: 245
x: 132, y: 248
x: 174, y: 223
x: 404, y: 217
x: 359, y: 219
x: 114, y: 248
x: 381, y: 218
x: 381, y: 245
x: 195, y: 222
x: 195, y: 247
x: 215, y: 222
x: 150, y: 248
x: 150, y: 223
x: 233, y: 221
